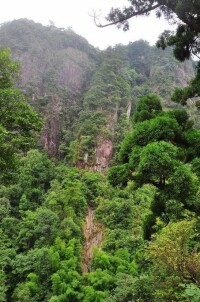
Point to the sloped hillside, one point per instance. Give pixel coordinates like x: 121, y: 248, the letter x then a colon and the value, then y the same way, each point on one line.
x: 125, y: 74
x: 86, y: 96
x: 57, y: 65
x: 51, y: 58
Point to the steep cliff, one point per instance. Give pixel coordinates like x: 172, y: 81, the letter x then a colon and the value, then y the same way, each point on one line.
x: 56, y: 63
x: 85, y: 96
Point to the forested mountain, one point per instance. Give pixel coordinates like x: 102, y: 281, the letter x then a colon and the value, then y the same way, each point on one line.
x: 71, y: 82
x: 102, y: 204
x: 51, y: 58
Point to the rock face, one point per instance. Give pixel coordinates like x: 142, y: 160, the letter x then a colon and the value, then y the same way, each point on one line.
x: 128, y: 112
x: 103, y: 155
x: 50, y: 136
x: 50, y: 57
x: 93, y: 234
x: 184, y: 74
x: 55, y: 63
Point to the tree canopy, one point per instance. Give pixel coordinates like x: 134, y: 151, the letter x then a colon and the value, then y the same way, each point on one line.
x: 18, y: 122
x: 74, y: 234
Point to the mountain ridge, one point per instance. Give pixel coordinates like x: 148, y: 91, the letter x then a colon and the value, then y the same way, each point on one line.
x: 70, y: 82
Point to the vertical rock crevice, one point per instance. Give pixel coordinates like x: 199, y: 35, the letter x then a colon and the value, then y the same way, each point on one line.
x: 93, y: 235
x: 103, y: 154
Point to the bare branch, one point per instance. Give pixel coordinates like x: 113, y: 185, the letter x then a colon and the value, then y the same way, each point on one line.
x: 134, y: 14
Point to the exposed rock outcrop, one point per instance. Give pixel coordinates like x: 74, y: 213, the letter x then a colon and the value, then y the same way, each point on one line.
x: 184, y: 74
x: 93, y: 234
x: 128, y: 112
x: 103, y: 154
x: 50, y: 135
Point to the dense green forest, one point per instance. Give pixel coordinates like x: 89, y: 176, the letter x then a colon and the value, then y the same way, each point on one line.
x: 99, y: 171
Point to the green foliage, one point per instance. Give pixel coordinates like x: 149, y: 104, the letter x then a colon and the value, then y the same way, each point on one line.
x: 116, y: 213
x: 88, y: 127
x: 158, y: 129
x: 196, y: 166
x: 184, y: 185
x: 42, y: 251
x: 132, y: 289
x: 67, y: 197
x: 37, y: 228
x: 17, y: 129
x: 66, y: 279
x: 156, y: 152
x: 192, y: 292
x: 126, y: 147
x: 192, y: 138
x: 142, y: 244
x: 91, y: 295
x: 147, y: 107
x: 35, y: 174
x: 181, y: 262
x: 182, y: 118
x: 157, y: 162
x: 119, y: 175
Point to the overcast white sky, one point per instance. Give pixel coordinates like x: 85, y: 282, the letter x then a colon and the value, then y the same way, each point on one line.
x: 76, y: 14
